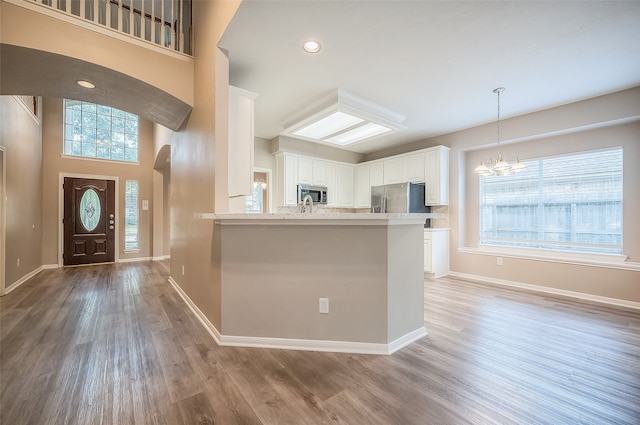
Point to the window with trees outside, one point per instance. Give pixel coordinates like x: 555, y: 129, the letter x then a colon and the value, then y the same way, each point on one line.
x: 100, y: 132
x: 569, y: 202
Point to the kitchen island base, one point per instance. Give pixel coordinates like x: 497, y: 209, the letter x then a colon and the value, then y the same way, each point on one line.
x: 274, y: 272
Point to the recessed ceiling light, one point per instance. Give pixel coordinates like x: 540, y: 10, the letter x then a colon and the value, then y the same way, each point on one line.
x: 311, y: 46
x: 86, y: 84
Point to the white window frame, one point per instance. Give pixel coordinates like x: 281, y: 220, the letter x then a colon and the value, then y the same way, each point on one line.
x: 536, y: 248
x: 131, y: 211
x: 68, y: 141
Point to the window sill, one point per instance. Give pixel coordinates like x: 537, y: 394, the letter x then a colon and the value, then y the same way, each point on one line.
x: 131, y: 251
x: 110, y: 161
x: 615, y: 261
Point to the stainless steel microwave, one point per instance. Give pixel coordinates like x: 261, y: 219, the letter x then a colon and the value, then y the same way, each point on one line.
x: 318, y: 194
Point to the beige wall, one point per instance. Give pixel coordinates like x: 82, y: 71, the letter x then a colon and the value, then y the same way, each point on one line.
x: 20, y: 134
x: 198, y: 165
x: 33, y: 29
x: 317, y: 150
x: 610, y: 120
x: 53, y: 164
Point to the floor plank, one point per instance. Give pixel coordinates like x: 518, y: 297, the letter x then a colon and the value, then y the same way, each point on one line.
x: 114, y: 344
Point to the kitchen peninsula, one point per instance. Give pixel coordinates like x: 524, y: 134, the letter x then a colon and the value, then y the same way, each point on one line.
x: 278, y: 271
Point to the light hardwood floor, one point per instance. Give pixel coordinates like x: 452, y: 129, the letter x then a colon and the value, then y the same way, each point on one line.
x: 114, y: 344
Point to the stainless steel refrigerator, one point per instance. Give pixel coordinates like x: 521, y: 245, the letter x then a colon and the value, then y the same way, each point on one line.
x: 398, y: 198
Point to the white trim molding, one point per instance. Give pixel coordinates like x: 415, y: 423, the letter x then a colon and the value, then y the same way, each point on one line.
x: 161, y: 257
x: 133, y: 260
x: 610, y: 261
x: 22, y: 280
x: 298, y: 344
x: 548, y: 290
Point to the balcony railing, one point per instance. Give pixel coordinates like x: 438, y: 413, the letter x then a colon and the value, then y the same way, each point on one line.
x: 163, y: 22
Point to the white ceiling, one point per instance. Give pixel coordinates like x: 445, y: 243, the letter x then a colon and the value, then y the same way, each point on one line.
x: 437, y: 62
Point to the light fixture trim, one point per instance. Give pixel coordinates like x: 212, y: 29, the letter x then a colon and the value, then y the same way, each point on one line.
x: 86, y: 84
x: 311, y: 46
x: 344, y: 104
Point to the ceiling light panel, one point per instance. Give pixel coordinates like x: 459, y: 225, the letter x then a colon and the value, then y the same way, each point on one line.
x: 342, y: 118
x: 331, y: 124
x: 358, y: 134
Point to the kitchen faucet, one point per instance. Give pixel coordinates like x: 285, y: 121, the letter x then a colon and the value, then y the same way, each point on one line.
x: 303, y: 209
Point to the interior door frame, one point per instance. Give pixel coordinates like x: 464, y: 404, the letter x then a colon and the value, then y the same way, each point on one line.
x: 3, y: 219
x: 270, y: 188
x: 61, y: 177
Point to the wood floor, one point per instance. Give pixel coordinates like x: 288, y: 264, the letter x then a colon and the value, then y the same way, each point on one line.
x: 114, y: 344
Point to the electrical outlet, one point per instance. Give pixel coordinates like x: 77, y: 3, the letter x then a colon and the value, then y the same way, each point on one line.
x: 324, y: 305
x: 499, y: 261
x: 183, y: 270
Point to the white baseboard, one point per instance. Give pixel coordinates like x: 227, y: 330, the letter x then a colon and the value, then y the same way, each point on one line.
x: 50, y: 266
x: 133, y: 260
x: 298, y: 344
x: 215, y: 334
x: 160, y: 258
x: 547, y: 290
x: 407, y: 339
x: 22, y: 280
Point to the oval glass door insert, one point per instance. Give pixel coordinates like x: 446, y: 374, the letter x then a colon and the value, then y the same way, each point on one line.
x: 90, y: 210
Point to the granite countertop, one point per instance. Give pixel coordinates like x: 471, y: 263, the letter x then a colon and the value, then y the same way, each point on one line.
x: 322, y: 218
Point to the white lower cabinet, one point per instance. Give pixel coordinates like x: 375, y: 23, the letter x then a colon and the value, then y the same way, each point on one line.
x: 436, y: 252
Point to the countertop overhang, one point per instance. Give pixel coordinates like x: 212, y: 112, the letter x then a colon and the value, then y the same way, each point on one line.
x: 332, y: 219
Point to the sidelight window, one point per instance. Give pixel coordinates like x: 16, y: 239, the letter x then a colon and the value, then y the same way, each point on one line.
x: 99, y: 132
x: 569, y: 202
x: 131, y: 238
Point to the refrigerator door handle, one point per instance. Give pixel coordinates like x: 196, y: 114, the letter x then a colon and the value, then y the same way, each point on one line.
x: 383, y: 209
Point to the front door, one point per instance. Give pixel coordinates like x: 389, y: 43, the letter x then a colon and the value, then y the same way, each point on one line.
x: 89, y: 221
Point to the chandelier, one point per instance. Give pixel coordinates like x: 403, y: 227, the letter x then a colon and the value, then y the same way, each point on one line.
x: 499, y: 167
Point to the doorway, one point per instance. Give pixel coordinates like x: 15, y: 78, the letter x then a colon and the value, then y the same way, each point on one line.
x: 89, y: 221
x: 3, y: 221
x: 260, y: 199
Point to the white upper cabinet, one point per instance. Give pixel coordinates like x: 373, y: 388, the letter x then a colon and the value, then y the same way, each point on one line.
x: 414, y: 168
x: 319, y: 174
x: 363, y: 187
x: 344, y: 186
x: 393, y: 170
x: 287, y: 178
x: 436, y: 176
x: 376, y: 174
x: 240, y: 147
x: 312, y: 171
x: 305, y: 170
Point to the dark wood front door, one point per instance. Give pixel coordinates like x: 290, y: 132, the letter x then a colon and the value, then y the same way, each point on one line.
x: 89, y: 221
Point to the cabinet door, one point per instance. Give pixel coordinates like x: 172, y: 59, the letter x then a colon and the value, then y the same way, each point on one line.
x: 363, y: 188
x: 240, y: 147
x: 376, y: 174
x: 305, y: 171
x: 290, y: 180
x: 437, y: 176
x: 414, y: 168
x: 330, y: 174
x: 344, y: 185
x: 393, y: 170
x: 427, y: 256
x: 319, y: 175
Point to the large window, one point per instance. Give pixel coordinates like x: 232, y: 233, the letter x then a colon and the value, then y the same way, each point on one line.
x: 131, y: 215
x: 101, y: 132
x: 570, y: 202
